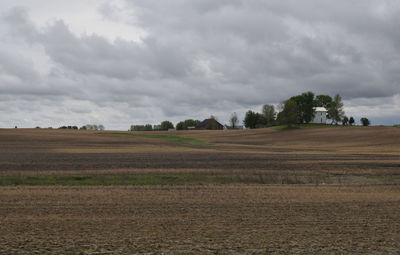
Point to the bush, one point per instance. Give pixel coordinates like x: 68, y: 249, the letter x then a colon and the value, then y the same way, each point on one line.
x: 365, y: 122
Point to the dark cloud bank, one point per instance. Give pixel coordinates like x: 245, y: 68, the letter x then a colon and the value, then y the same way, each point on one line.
x: 198, y: 58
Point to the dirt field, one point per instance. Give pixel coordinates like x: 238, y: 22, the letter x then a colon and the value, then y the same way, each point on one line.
x: 200, y: 220
x: 352, y: 155
x: 344, y: 196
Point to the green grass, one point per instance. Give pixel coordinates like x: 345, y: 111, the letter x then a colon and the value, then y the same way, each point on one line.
x: 170, y: 138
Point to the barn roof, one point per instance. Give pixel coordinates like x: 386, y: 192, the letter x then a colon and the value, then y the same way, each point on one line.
x: 205, y: 123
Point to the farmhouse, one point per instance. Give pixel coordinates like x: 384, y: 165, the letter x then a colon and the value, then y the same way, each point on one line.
x: 210, y: 124
x: 320, y: 115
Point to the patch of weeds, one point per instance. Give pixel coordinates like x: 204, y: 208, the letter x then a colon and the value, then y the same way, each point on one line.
x: 170, y: 138
x: 208, y: 236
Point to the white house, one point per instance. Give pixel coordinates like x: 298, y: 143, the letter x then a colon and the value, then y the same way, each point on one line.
x: 320, y: 115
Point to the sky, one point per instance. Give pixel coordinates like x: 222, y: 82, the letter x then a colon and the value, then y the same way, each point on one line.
x: 130, y: 62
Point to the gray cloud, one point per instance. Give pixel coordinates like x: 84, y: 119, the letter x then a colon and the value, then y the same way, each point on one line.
x: 199, y: 58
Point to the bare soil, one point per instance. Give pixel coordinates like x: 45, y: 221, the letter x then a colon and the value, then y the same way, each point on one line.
x: 236, y: 219
x: 348, y: 201
x: 342, y: 155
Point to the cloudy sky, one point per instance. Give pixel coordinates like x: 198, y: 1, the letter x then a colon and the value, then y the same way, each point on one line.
x: 123, y: 62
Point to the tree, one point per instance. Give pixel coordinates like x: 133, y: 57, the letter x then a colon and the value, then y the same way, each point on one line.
x: 254, y: 120
x: 335, y: 111
x: 365, y: 122
x: 101, y: 127
x: 233, y: 121
x: 351, y: 121
x: 180, y: 126
x: 184, y: 125
x: 345, y: 120
x: 305, y: 105
x: 147, y: 127
x: 165, y: 125
x: 250, y: 119
x: 268, y: 112
x: 191, y: 123
x: 323, y: 101
x: 289, y: 114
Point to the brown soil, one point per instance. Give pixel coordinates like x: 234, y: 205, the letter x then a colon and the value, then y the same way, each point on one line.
x: 200, y: 220
x: 359, y: 214
x: 348, y: 150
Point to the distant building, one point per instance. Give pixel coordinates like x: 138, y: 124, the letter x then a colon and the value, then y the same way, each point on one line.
x: 211, y: 124
x: 320, y: 115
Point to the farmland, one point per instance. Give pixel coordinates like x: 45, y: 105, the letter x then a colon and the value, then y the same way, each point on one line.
x: 308, y: 191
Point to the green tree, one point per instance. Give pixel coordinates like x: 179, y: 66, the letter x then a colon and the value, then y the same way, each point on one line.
x: 365, y: 122
x: 148, y: 127
x: 351, y: 121
x: 180, y: 125
x: 268, y: 111
x: 165, y: 125
x: 335, y: 111
x: 250, y: 119
x: 191, y: 123
x: 184, y: 125
x: 233, y: 120
x: 289, y: 114
x: 305, y: 106
x: 345, y: 120
x: 323, y: 101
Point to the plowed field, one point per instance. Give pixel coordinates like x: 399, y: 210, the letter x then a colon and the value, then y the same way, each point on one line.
x: 307, y: 191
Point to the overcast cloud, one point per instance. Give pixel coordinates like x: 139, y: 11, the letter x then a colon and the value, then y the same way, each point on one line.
x: 119, y: 62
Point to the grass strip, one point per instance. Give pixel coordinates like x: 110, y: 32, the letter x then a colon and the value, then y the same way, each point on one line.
x: 170, y: 138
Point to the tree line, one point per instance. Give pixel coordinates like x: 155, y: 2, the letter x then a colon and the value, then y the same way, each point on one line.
x: 166, y: 125
x: 298, y: 109
x: 85, y: 127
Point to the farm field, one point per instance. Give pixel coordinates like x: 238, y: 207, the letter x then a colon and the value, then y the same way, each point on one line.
x: 342, y: 155
x: 238, y: 219
x: 306, y: 191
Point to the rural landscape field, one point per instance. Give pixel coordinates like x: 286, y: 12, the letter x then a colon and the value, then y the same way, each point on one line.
x: 320, y: 190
